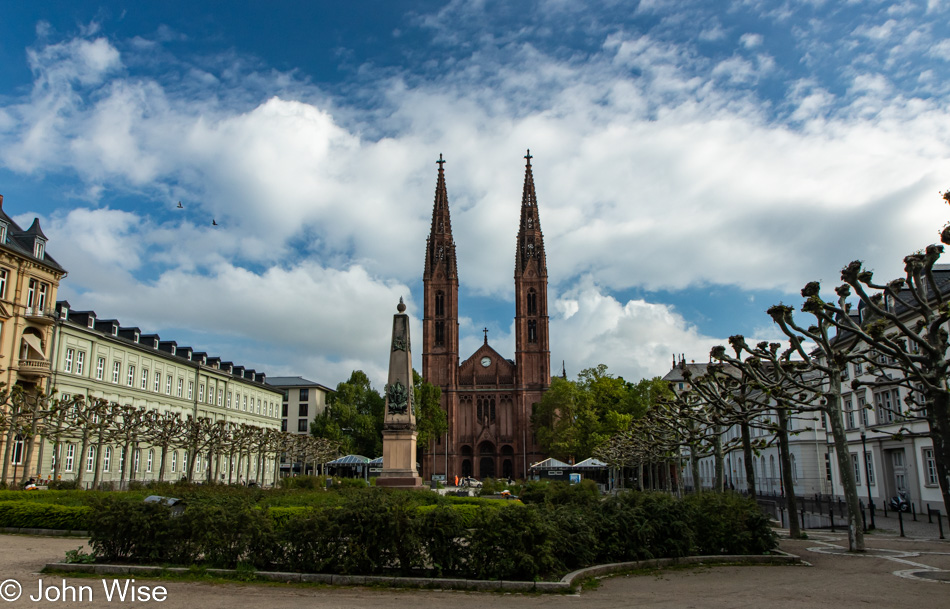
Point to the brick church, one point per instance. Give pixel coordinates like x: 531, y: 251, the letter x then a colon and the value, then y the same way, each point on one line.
x: 488, y: 398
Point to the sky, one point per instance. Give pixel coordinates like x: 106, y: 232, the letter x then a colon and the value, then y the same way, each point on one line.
x: 695, y: 163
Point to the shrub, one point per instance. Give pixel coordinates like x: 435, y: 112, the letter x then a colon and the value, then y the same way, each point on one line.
x: 515, y: 542
x: 728, y: 523
x: 35, y: 515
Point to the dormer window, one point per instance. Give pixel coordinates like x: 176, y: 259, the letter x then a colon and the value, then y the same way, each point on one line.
x: 115, y: 330
x: 90, y: 321
x: 64, y: 313
x: 39, y: 248
x: 135, y: 336
x: 3, y: 233
x: 155, y: 343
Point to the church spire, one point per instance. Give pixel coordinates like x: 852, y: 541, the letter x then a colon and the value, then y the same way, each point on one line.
x: 530, y: 239
x: 440, y: 247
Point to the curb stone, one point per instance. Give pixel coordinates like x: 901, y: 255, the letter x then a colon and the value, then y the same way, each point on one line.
x: 566, y: 584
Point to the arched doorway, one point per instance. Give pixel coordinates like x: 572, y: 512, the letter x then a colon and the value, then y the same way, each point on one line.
x: 486, y: 461
x: 467, y: 461
x: 507, y: 462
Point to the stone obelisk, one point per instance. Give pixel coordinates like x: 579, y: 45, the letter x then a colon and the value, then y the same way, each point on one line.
x: 399, y: 427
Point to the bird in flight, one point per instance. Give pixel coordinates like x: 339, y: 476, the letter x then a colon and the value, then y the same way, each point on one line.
x: 179, y: 205
x: 213, y: 223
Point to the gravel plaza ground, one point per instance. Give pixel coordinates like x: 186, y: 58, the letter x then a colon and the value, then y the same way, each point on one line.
x: 834, y: 579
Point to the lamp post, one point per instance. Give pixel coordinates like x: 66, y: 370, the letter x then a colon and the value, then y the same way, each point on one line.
x: 867, y: 472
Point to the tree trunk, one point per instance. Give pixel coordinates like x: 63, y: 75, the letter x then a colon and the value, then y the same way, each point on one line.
x: 845, y: 467
x: 791, y: 503
x: 938, y: 418
x: 719, y: 486
x: 748, y: 457
x: 694, y: 469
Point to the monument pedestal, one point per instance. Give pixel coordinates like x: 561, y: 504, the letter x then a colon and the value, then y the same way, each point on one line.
x: 399, y: 460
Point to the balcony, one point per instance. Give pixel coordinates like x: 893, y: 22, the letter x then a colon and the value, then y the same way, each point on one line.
x: 34, y: 367
x: 39, y: 315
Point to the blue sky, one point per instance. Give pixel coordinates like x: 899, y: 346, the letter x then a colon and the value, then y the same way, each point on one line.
x: 695, y: 163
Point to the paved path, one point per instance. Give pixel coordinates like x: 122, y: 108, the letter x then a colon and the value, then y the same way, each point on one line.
x: 834, y: 580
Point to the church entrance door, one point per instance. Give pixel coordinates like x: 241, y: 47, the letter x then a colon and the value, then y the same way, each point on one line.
x: 486, y: 467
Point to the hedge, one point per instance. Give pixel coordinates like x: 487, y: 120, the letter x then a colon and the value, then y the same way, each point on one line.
x: 34, y: 515
x: 374, y: 531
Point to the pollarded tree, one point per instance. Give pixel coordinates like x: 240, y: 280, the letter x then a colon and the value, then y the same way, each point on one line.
x: 129, y: 423
x: 828, y: 360
x: 163, y: 431
x: 28, y: 412
x: 904, y: 324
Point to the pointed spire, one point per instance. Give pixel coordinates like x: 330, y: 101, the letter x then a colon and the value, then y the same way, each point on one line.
x: 530, y: 239
x: 440, y: 247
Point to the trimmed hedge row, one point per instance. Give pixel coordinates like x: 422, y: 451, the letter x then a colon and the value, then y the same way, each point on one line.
x: 33, y: 515
x: 378, y: 532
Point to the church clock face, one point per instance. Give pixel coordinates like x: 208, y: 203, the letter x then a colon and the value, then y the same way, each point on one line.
x: 486, y: 362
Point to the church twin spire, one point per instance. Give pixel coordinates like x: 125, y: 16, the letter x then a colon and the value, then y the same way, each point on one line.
x: 530, y: 250
x: 440, y: 246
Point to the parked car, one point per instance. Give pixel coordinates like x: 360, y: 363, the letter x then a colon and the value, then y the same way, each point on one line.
x: 469, y: 482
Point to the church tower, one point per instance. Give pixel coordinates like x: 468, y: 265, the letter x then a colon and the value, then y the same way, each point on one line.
x: 532, y: 346
x: 440, y: 328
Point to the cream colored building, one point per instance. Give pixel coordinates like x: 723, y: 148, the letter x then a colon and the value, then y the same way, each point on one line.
x: 29, y: 279
x: 99, y: 358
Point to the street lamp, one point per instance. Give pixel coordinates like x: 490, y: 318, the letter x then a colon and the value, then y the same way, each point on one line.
x: 867, y: 472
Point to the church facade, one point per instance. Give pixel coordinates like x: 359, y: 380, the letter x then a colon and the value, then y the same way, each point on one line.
x: 487, y: 398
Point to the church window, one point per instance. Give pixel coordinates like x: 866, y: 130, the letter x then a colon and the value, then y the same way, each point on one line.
x: 439, y: 333
x: 532, y: 302
x: 440, y: 303
x: 492, y: 418
x: 478, y: 414
x: 532, y: 331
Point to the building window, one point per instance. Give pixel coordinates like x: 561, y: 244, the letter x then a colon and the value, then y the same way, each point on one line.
x: 180, y: 384
x: 116, y: 369
x: 131, y: 378
x: 107, y: 459
x: 532, y: 331
x: 849, y: 413
x: 302, y: 410
x: 930, y: 467
x: 191, y: 389
x: 258, y: 406
x: 144, y: 378
x: 70, y: 454
x: 869, y: 464
x: 39, y: 248
x: 184, y: 462
x: 283, y: 410
x: 91, y: 458
x: 201, y: 393
x: 3, y: 283
x: 304, y: 395
x: 532, y: 302
x: 228, y: 404
x: 245, y: 402
x: 80, y: 359
x: 68, y: 364
x: 174, y: 461
x: 440, y: 303
x: 100, y: 368
x: 857, y: 369
x: 36, y: 296
x: 158, y: 380
x: 862, y: 404
x: 283, y: 425
x: 135, y: 459
x: 302, y: 425
x: 439, y: 333
x: 884, y: 408
x: 121, y: 452
x: 148, y: 462
x: 828, y: 467
x: 857, y: 468
x: 221, y: 397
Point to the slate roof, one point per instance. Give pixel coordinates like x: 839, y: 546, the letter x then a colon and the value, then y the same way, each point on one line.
x: 21, y: 241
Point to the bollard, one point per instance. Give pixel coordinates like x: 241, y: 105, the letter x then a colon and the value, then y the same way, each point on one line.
x: 884, y: 503
x: 940, y: 523
x: 913, y: 511
x: 803, y: 518
x: 864, y: 520
x: 900, y: 521
x: 928, y: 515
x: 781, y: 513
x: 871, y: 509
x: 831, y: 514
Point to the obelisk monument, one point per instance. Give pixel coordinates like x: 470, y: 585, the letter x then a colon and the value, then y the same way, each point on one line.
x: 399, y: 426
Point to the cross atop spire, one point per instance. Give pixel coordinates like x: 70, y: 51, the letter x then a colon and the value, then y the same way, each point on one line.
x: 485, y: 330
x: 440, y: 162
x: 529, y: 157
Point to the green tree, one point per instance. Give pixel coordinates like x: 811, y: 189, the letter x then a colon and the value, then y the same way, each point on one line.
x: 353, y: 417
x: 575, y: 417
x: 431, y: 422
